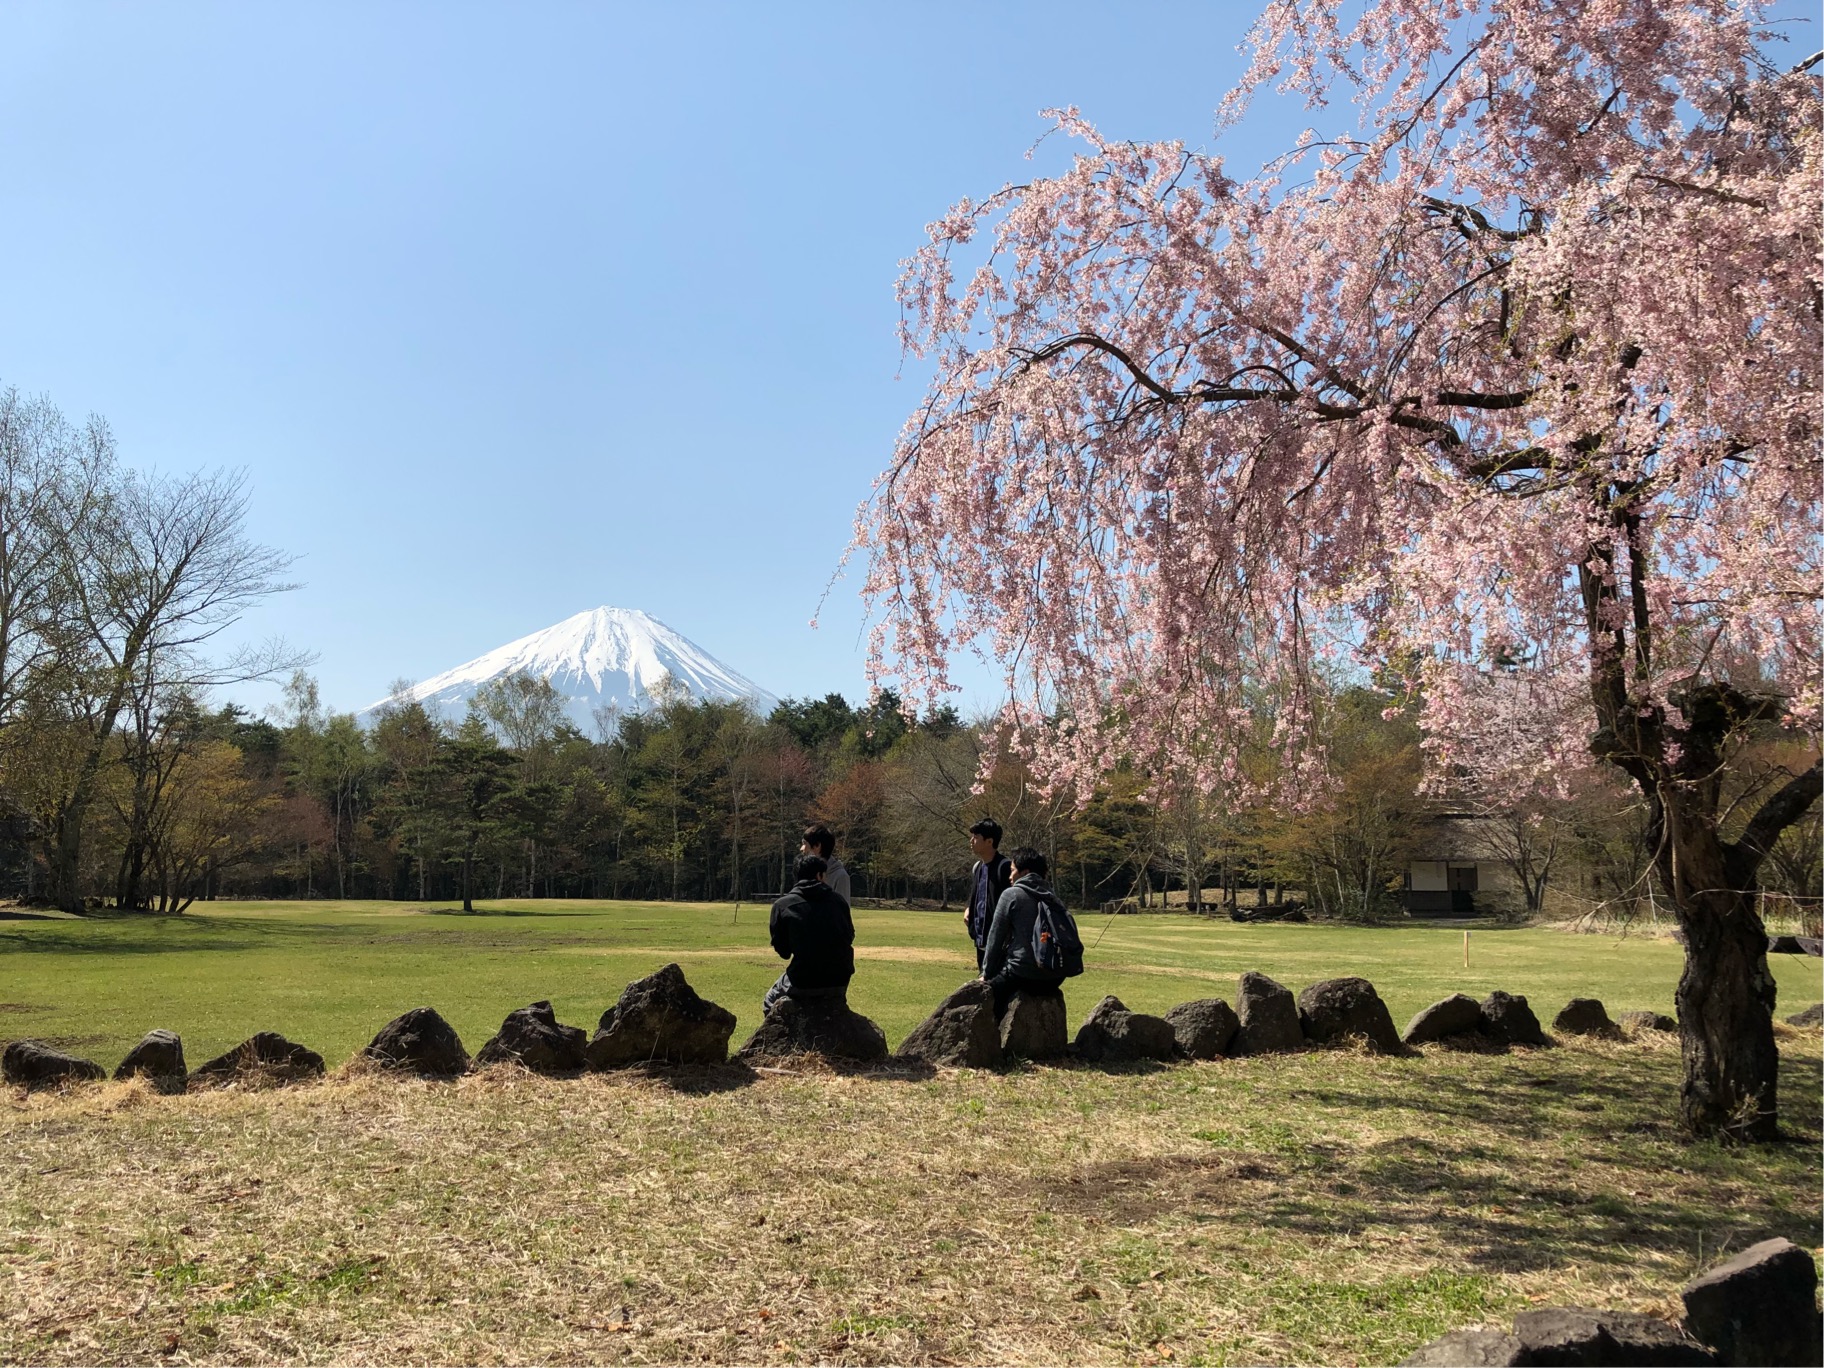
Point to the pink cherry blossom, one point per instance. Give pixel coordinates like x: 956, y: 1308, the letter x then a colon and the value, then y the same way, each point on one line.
x: 1516, y: 377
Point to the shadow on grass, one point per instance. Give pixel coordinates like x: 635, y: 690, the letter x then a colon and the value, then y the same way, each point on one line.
x: 696, y: 1080
x: 1576, y: 1161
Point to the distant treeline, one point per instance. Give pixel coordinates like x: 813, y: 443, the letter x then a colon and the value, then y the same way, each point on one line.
x: 706, y: 800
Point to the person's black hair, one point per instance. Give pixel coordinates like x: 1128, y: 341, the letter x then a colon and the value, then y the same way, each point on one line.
x: 820, y: 839
x: 989, y: 828
x: 809, y: 867
x: 1026, y: 860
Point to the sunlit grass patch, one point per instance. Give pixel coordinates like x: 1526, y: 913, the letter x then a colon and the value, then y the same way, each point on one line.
x: 1327, y: 1207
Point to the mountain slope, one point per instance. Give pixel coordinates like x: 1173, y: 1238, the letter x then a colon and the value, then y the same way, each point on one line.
x: 604, y: 656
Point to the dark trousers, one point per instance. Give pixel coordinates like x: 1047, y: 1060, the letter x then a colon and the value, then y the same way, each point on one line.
x: 783, y: 989
x: 1006, y: 983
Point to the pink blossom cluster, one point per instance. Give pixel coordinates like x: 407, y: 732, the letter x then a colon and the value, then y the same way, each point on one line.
x: 1514, y: 384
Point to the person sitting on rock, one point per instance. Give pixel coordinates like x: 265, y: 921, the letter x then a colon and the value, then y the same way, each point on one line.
x: 1007, y: 959
x: 812, y: 928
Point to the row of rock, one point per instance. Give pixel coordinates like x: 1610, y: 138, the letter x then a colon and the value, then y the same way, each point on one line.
x: 1758, y: 1308
x: 159, y: 1058
x: 661, y: 1019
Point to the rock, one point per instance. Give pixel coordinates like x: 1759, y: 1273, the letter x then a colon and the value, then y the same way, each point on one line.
x: 1034, y: 1027
x: 1205, y: 1028
x: 159, y: 1056
x: 816, y: 1025
x: 1585, y: 1016
x: 1759, y: 1307
x: 1455, y: 1015
x: 1506, y: 1018
x: 1795, y: 945
x: 1487, y: 1348
x: 660, y: 1017
x: 1811, y: 1016
x: 1113, y: 1035
x: 265, y: 1057
x: 533, y: 1038
x: 31, y: 1064
x: 1579, y: 1335
x: 1635, y: 1022
x: 961, y: 1032
x: 1341, y: 1009
x: 419, y: 1042
x: 1268, y: 1017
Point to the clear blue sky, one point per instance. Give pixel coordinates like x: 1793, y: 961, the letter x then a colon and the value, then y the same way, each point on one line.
x: 513, y: 310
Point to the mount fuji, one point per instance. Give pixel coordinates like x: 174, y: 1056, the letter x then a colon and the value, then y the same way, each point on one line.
x: 604, y: 656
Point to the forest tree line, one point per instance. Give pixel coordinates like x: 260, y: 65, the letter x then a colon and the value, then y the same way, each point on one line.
x: 122, y: 784
x: 705, y: 800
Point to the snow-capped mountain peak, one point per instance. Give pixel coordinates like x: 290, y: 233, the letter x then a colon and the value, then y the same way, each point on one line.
x: 604, y: 656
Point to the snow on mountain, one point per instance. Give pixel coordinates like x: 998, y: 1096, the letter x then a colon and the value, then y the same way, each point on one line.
x: 606, y: 655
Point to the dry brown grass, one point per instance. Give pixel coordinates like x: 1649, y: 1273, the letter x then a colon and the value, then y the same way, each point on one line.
x: 1332, y: 1208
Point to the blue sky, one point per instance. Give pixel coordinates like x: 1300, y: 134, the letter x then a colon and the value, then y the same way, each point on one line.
x: 510, y: 311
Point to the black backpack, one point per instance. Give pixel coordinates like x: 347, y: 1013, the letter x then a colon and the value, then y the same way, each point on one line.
x: 1056, y: 946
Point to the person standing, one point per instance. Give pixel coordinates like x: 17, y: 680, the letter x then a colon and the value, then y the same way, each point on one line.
x: 1008, y: 961
x: 812, y: 929
x: 820, y: 840
x: 987, y: 881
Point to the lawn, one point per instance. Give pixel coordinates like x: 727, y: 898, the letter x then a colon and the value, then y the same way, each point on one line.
x: 1329, y: 1207
x: 330, y: 974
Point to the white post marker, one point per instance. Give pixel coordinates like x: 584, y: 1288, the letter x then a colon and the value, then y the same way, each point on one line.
x: 1466, y: 949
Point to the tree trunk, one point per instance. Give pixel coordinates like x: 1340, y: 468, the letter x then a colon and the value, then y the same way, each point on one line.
x: 1725, y: 1019
x: 1726, y: 993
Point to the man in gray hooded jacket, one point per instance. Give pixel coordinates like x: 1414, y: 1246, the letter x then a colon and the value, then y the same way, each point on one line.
x: 1007, y: 960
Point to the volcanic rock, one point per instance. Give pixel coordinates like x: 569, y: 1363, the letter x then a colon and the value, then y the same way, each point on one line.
x: 159, y: 1056
x: 1507, y: 1019
x: 1268, y: 1016
x: 1205, y: 1028
x: 1348, y: 1008
x: 962, y: 1031
x: 533, y: 1038
x: 816, y: 1025
x: 1635, y: 1022
x: 660, y: 1017
x: 419, y: 1042
x: 1487, y: 1348
x: 32, y: 1064
x: 1759, y: 1307
x: 1452, y: 1016
x: 1579, y: 1335
x: 1111, y: 1034
x: 1585, y: 1016
x: 266, y: 1057
x: 1034, y: 1027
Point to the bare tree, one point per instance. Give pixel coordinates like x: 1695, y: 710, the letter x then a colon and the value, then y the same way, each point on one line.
x: 162, y: 568
x: 53, y: 482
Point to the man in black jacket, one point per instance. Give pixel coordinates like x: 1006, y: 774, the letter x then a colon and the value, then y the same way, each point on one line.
x: 1007, y: 961
x: 987, y: 881
x: 812, y: 928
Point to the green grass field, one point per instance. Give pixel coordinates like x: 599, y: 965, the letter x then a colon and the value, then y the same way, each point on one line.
x: 1328, y: 1207
x: 328, y: 975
